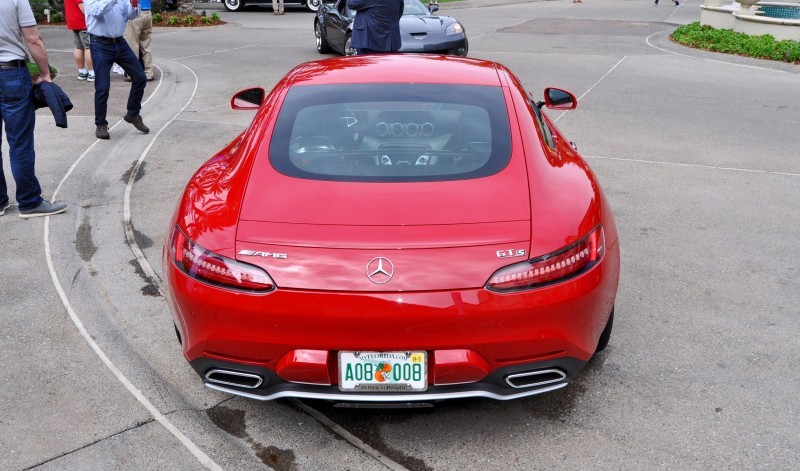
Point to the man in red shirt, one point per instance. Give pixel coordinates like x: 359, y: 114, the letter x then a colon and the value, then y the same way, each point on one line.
x: 76, y: 21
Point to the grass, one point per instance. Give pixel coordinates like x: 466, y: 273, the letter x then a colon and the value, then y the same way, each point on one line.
x: 730, y: 42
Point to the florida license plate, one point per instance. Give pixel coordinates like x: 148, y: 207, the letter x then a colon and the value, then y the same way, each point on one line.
x: 383, y: 371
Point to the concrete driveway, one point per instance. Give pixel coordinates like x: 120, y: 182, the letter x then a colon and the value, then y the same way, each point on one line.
x: 697, y: 152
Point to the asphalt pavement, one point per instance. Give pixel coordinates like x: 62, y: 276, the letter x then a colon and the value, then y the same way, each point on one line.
x: 696, y: 151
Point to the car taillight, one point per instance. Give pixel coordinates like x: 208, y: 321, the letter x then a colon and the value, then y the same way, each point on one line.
x: 552, y: 268
x: 212, y: 268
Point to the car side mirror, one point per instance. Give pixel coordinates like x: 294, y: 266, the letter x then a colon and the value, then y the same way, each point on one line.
x: 433, y: 7
x: 557, y: 99
x: 249, y: 99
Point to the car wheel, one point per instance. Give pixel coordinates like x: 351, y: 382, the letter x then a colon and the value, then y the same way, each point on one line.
x: 322, y: 43
x: 313, y: 5
x: 348, y: 47
x: 606, y: 335
x: 233, y: 5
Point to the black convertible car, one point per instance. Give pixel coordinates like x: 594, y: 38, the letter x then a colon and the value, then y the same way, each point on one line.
x: 420, y: 30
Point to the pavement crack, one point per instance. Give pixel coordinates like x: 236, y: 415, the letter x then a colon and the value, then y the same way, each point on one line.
x: 62, y: 455
x: 198, y: 409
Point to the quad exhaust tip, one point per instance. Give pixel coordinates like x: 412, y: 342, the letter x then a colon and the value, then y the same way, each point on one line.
x: 234, y: 378
x: 536, y: 378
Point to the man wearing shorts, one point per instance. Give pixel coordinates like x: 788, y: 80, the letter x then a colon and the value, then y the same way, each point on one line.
x: 76, y: 21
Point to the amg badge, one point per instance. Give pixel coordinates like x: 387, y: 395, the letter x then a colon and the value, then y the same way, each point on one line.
x: 259, y: 253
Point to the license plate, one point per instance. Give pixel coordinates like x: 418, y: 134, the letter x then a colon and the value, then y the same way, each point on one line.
x: 383, y: 371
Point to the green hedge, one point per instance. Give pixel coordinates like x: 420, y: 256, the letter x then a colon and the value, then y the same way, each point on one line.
x: 56, y: 8
x: 731, y: 42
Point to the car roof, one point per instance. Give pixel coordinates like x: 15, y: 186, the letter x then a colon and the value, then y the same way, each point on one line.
x: 398, y: 68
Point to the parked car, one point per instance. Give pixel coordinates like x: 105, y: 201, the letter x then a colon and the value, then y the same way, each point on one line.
x: 421, y: 30
x: 238, y: 5
x: 395, y: 228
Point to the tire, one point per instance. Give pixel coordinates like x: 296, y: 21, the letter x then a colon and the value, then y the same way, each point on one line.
x: 348, y: 49
x: 606, y: 335
x: 322, y: 43
x: 313, y: 5
x: 233, y: 5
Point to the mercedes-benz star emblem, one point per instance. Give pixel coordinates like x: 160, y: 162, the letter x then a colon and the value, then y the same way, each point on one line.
x: 380, y: 270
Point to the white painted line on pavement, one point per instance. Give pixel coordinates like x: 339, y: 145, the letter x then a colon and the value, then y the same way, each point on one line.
x: 213, y: 122
x: 352, y: 439
x: 675, y: 10
x: 680, y: 164
x: 202, y: 457
x: 647, y: 40
x: 595, y: 84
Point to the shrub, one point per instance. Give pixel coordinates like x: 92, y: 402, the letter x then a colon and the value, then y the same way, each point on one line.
x: 215, y: 17
x: 158, y: 18
x: 188, y: 20
x: 205, y: 20
x: 56, y: 8
x: 173, y: 21
x: 731, y: 42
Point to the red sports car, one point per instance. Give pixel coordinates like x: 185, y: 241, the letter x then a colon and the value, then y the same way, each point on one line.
x: 393, y: 229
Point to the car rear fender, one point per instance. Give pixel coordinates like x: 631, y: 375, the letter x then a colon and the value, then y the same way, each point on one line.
x: 212, y: 200
x: 566, y: 200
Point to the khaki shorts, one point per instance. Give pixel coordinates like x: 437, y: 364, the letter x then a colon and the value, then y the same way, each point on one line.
x: 81, y: 39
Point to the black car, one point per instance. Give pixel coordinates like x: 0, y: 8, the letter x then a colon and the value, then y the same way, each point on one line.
x: 238, y: 5
x: 420, y: 30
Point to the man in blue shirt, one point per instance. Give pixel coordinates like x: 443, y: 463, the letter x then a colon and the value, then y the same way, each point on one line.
x: 106, y: 21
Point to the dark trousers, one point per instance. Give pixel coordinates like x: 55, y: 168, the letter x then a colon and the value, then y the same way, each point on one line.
x: 18, y: 117
x: 104, y: 55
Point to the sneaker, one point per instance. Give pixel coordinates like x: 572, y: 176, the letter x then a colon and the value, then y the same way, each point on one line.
x: 90, y: 78
x: 137, y: 122
x: 83, y: 76
x: 45, y: 208
x: 5, y: 206
x: 127, y: 78
x: 102, y: 132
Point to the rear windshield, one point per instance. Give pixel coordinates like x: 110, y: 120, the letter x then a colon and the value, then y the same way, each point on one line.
x: 391, y: 133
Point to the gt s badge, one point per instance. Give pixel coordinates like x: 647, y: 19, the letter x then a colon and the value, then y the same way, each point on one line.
x: 259, y: 253
x: 511, y: 253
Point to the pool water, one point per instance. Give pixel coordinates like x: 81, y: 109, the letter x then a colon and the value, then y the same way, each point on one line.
x: 780, y: 11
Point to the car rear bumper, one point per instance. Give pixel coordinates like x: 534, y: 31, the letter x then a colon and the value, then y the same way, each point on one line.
x: 510, y: 333
x: 494, y: 386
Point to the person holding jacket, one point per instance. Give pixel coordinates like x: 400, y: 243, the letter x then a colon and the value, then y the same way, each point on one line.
x: 18, y: 32
x: 106, y: 21
x: 376, y: 28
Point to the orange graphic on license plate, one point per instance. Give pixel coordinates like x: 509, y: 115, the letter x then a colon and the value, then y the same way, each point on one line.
x: 382, y: 374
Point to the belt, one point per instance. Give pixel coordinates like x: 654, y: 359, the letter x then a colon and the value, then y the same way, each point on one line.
x: 103, y: 39
x: 13, y: 64
x: 145, y: 9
